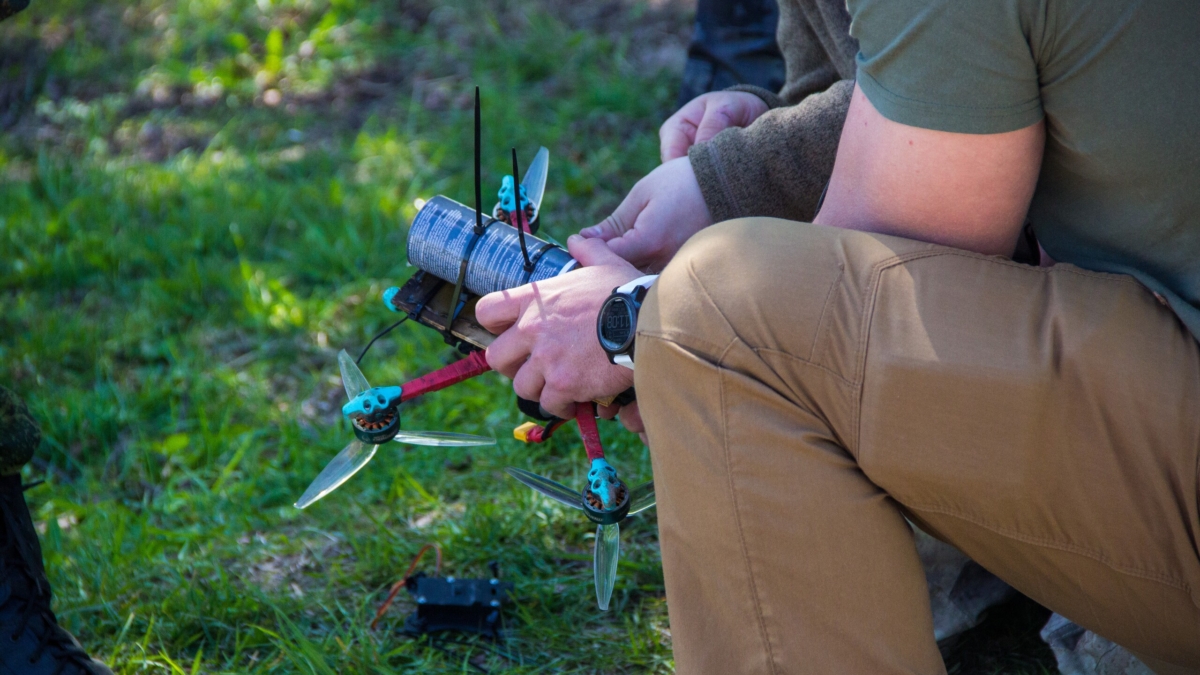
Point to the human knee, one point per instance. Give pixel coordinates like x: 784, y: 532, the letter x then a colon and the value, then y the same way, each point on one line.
x: 685, y: 298
x: 738, y: 276
x: 732, y: 249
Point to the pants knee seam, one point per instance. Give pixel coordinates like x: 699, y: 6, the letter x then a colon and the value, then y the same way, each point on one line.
x: 762, y: 625
x: 1044, y: 542
x: 686, y: 341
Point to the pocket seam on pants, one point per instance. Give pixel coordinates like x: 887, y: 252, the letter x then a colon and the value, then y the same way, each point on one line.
x: 821, y: 324
x: 872, y: 294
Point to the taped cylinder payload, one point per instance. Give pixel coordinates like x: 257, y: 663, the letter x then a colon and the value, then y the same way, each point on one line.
x: 443, y: 231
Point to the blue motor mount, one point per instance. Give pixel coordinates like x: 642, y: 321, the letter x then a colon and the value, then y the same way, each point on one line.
x: 605, y: 497
x: 508, y: 197
x: 375, y: 414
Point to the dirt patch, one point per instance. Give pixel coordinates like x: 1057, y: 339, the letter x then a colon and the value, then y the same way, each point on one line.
x: 266, y: 565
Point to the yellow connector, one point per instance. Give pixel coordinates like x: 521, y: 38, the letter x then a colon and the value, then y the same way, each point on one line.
x: 521, y: 433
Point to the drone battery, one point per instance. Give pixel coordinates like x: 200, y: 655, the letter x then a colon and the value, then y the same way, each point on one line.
x: 443, y: 232
x: 467, y: 605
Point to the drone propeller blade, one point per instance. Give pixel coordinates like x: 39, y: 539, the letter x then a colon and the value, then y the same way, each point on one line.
x: 443, y: 439
x: 641, y: 498
x: 534, y: 181
x: 556, y: 491
x: 347, y: 463
x: 352, y: 378
x: 608, y: 549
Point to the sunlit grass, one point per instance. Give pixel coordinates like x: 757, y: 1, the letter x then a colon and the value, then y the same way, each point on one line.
x: 184, y: 253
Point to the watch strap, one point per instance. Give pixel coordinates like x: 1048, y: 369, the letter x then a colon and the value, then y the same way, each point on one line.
x: 640, y: 282
x: 637, y: 290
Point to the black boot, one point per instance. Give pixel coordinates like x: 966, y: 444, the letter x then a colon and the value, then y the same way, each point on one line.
x: 31, y: 641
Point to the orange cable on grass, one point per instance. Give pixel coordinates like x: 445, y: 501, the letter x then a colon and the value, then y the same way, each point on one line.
x: 400, y: 584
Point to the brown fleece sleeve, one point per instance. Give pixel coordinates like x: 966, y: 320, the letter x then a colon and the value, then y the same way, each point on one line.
x: 779, y: 165
x: 814, y: 37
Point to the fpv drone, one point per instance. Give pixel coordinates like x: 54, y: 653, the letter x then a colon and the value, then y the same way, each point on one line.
x: 448, y: 307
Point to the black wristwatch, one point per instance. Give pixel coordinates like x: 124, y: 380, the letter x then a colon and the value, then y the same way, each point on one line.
x: 616, y: 325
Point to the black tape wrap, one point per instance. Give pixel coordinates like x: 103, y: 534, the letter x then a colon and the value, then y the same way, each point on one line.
x: 476, y: 235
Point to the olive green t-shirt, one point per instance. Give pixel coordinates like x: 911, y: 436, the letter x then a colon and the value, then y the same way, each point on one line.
x: 1118, y: 83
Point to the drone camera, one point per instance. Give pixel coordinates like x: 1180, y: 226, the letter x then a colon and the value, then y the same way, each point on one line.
x: 375, y: 414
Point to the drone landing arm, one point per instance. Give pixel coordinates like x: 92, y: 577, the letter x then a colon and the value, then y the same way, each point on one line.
x: 474, y: 364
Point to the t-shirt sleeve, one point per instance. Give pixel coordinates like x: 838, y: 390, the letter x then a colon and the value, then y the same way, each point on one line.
x: 964, y: 66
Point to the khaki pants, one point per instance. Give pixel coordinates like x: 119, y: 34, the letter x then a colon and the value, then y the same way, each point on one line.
x: 805, y: 389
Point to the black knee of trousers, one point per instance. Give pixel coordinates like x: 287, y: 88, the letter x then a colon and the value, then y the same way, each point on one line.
x: 10, y: 7
x: 20, y: 434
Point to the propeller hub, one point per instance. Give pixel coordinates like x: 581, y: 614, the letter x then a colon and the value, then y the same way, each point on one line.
x: 605, y: 497
x: 375, y: 414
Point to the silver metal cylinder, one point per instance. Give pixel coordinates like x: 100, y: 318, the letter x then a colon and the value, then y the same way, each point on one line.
x: 442, y: 231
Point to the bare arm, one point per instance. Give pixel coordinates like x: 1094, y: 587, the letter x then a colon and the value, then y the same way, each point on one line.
x: 969, y: 191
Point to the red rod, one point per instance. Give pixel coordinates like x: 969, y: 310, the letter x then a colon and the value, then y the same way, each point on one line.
x: 475, y: 364
x: 519, y: 217
x: 585, y: 416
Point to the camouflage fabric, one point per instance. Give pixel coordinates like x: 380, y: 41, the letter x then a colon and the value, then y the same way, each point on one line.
x: 10, y: 7
x: 19, y: 432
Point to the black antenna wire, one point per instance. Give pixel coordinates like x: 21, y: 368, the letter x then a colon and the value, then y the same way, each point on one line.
x: 519, y: 214
x: 385, y: 331
x: 478, y: 178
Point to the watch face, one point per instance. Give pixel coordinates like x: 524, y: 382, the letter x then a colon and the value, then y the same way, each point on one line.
x: 617, y: 324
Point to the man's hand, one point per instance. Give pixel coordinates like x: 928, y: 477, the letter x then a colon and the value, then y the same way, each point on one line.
x: 706, y: 116
x: 631, y: 417
x: 548, y: 343
x: 658, y: 215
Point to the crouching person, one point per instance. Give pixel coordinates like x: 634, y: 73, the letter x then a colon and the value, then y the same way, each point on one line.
x: 31, y: 641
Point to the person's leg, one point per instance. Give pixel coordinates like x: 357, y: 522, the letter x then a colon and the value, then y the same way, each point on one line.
x: 805, y: 388
x: 31, y: 641
x: 733, y: 42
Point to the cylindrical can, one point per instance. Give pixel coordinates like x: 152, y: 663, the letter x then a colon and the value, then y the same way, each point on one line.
x: 442, y: 232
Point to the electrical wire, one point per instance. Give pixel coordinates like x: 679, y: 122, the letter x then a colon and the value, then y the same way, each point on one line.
x: 385, y: 331
x: 400, y: 584
x: 440, y: 643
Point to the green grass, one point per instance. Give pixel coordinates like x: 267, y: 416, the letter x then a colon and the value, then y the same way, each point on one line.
x: 201, y: 202
x: 180, y: 262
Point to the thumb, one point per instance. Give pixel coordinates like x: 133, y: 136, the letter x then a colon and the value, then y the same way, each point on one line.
x: 592, y: 252
x: 621, y: 220
x: 610, y: 228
